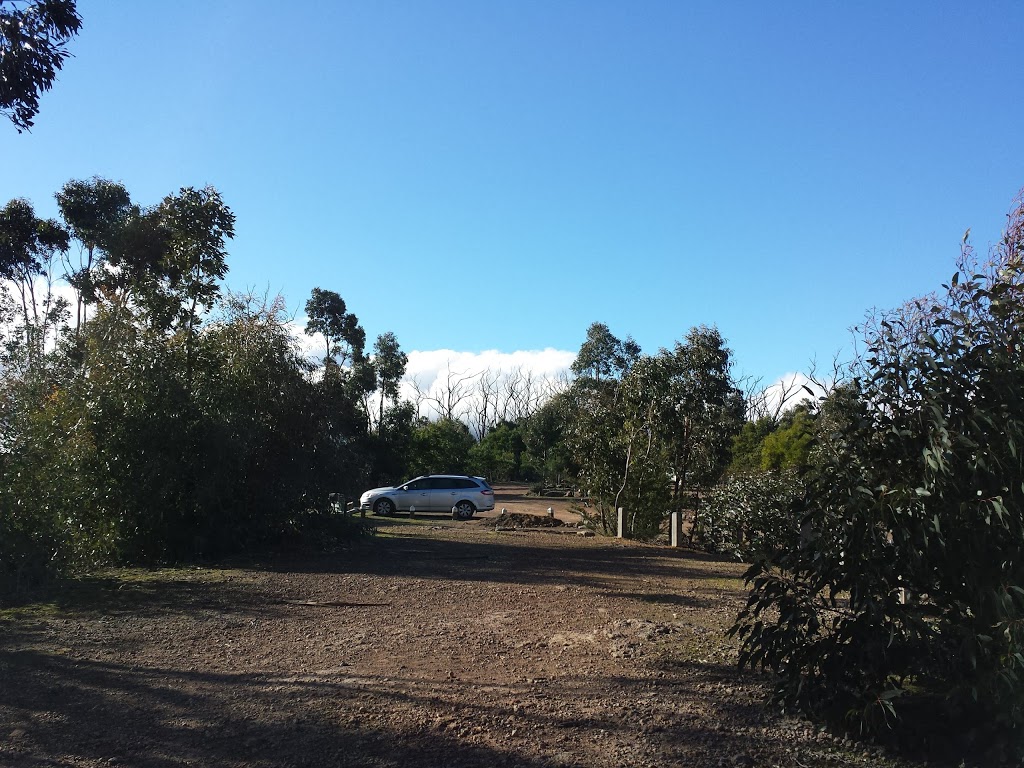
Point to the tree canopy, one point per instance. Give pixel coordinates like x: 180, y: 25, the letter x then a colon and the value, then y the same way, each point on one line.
x: 33, y: 47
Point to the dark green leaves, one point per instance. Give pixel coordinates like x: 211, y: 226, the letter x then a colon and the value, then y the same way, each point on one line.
x: 915, y: 520
x: 33, y: 49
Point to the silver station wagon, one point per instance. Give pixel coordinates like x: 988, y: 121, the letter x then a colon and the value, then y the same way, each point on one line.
x: 461, y: 495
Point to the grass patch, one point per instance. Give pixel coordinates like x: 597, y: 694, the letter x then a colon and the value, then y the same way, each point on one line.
x: 30, y: 611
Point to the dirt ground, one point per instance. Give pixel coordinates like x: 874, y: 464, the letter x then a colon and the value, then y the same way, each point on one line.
x: 434, y: 643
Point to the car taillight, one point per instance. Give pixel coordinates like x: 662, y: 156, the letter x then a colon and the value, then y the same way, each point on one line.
x: 487, y: 492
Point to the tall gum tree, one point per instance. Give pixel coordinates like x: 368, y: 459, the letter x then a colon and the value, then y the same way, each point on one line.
x: 389, y: 363
x: 93, y: 211
x: 28, y: 247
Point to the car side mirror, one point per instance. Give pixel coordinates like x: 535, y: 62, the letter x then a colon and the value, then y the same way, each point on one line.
x: 404, y: 488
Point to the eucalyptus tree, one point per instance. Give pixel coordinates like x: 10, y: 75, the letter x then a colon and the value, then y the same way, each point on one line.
x: 498, y: 455
x: 198, y: 223
x: 679, y: 410
x: 700, y: 409
x: 594, y: 426
x: 130, y: 276
x: 646, y: 430
x: 643, y: 471
x: 602, y: 355
x: 168, y: 262
x: 344, y: 338
x: 93, y: 210
x: 544, y: 435
x: 389, y: 362
x: 28, y: 248
x: 196, y: 428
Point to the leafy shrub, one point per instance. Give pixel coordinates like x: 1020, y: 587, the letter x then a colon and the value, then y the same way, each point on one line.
x: 749, y: 515
x: 322, y: 530
x: 50, y: 510
x: 907, y: 583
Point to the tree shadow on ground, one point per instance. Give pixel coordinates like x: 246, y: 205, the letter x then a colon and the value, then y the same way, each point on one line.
x: 148, y: 594
x: 56, y: 711
x: 512, y: 559
x: 661, y: 598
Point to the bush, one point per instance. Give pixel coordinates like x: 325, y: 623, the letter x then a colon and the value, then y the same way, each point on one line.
x: 907, y: 582
x: 749, y: 515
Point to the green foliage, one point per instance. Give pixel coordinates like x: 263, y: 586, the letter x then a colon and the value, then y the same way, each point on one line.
x: 197, y: 223
x: 700, y: 409
x: 789, y: 446
x: 440, y: 447
x: 905, y: 586
x: 344, y: 338
x: 750, y: 515
x: 33, y: 41
x: 644, y: 430
x: 594, y: 442
x: 389, y: 363
x: 769, y: 444
x: 747, y: 445
x: 390, y: 450
x: 94, y: 211
x: 604, y: 356
x: 50, y: 511
x: 547, y: 455
x: 498, y: 455
x: 26, y: 241
x: 174, y: 422
x: 29, y: 247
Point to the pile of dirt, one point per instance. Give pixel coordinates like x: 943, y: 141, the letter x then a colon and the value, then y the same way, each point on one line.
x: 521, y: 520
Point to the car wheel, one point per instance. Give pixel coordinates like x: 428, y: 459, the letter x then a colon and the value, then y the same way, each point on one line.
x: 384, y: 508
x: 464, y: 510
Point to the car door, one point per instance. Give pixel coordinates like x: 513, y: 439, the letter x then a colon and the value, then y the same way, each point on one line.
x: 415, y: 494
x: 442, y: 494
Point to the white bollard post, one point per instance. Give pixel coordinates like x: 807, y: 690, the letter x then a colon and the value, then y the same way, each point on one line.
x: 412, y: 511
x: 551, y: 512
x: 622, y: 524
x: 674, y: 529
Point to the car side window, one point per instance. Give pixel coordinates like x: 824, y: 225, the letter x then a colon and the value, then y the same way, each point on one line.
x: 466, y: 483
x: 440, y: 483
x: 418, y: 485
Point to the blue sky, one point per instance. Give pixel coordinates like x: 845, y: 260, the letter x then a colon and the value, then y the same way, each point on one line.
x: 498, y: 175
